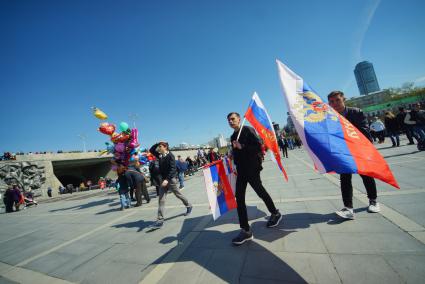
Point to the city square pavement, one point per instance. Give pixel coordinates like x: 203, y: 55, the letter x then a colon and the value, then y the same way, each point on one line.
x: 87, y: 239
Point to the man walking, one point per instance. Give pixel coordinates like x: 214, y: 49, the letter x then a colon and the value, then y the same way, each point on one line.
x: 247, y: 157
x: 167, y: 167
x: 181, y: 166
x: 357, y: 118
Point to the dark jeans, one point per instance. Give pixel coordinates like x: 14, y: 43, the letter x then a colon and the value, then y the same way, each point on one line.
x: 347, y: 188
x: 395, y: 139
x: 136, y: 181
x: 253, y: 178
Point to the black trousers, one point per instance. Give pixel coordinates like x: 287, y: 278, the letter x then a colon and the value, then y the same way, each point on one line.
x: 347, y: 188
x: 285, y: 151
x: 253, y: 178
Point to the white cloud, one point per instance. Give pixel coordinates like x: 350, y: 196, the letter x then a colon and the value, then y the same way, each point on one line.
x: 420, y: 80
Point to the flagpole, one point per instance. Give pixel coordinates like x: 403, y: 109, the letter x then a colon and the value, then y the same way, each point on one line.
x: 240, y: 129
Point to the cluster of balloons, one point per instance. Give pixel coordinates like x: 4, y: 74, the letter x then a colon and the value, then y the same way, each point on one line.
x: 125, y: 144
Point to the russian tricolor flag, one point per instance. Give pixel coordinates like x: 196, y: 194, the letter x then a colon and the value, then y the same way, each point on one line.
x: 333, y: 143
x: 220, y: 184
x: 259, y: 118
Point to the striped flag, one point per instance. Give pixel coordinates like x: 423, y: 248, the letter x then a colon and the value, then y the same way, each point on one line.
x: 332, y: 142
x: 259, y: 118
x: 220, y: 186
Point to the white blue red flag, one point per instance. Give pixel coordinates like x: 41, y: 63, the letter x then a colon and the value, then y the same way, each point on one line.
x: 219, y: 182
x: 259, y: 118
x: 333, y: 143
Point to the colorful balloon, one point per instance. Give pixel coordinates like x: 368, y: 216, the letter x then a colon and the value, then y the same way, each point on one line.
x: 107, y: 128
x: 119, y: 147
x: 99, y: 114
x: 134, y: 137
x: 123, y: 126
x: 121, y: 137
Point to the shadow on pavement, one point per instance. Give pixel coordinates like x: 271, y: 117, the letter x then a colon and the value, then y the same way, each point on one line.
x: 402, y: 154
x: 85, y: 206
x: 212, y: 249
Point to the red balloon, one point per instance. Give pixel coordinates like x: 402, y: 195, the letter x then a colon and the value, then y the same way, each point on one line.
x: 122, y: 137
x: 107, y: 128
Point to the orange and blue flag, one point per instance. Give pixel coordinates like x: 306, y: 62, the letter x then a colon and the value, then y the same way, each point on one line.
x: 259, y: 118
x: 333, y: 143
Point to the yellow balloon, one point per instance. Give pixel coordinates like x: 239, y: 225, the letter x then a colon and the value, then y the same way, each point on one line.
x: 99, y: 114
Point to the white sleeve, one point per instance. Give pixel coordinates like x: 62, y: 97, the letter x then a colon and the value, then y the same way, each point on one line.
x: 408, y: 121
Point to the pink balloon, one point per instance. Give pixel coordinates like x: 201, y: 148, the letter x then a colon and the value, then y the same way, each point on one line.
x: 134, y: 143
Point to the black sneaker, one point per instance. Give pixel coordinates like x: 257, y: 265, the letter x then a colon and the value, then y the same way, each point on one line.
x: 242, y: 237
x: 188, y: 210
x: 274, y: 220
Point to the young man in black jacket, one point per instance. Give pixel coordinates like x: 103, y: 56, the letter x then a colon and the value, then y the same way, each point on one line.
x: 358, y: 119
x: 247, y: 156
x: 168, y: 172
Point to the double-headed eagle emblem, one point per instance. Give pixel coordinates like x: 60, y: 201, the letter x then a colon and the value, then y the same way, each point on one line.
x: 311, y: 107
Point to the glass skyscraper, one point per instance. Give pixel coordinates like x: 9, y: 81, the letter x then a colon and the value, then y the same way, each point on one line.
x: 366, y: 78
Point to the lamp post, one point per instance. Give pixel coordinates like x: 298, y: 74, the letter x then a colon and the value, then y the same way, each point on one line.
x: 133, y: 117
x: 83, y: 138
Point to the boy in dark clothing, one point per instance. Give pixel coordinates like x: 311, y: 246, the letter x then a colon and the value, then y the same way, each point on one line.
x: 123, y: 189
x: 8, y: 199
x: 168, y: 172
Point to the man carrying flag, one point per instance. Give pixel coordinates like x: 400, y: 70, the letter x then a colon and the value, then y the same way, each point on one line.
x: 336, y: 100
x: 246, y: 151
x: 335, y: 138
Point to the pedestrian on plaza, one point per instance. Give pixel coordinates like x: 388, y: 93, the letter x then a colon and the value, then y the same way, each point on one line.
x: 49, y: 191
x: 136, y: 180
x: 190, y: 166
x: 416, y: 118
x: 212, y: 156
x: 8, y: 199
x: 358, y: 119
x: 290, y: 141
x: 181, y: 167
x: 284, y: 146
x: 155, y: 174
x: 378, y: 127
x: 167, y: 167
x: 124, y: 188
x: 17, y: 198
x: 407, y: 129
x: 247, y: 156
x: 393, y: 128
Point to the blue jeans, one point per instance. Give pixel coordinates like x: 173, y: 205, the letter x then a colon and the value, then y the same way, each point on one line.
x: 419, y: 130
x: 181, y: 179
x: 125, y: 200
x: 395, y: 139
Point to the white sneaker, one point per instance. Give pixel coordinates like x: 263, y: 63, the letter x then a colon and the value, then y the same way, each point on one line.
x: 346, y: 213
x: 373, y: 207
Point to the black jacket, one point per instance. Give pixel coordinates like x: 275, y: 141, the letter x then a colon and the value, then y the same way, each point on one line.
x: 358, y: 119
x: 167, y: 164
x: 391, y: 124
x: 249, y: 158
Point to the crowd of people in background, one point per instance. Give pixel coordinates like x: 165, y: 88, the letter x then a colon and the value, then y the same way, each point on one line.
x: 410, y: 123
x: 14, y: 198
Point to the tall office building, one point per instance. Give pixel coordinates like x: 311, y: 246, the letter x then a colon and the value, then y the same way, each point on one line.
x: 366, y: 78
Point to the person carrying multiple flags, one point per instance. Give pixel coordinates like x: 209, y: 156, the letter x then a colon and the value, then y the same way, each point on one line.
x: 333, y: 136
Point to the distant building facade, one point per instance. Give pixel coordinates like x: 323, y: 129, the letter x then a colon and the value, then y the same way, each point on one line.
x: 366, y: 78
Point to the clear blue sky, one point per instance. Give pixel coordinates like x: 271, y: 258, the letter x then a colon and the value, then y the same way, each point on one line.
x: 183, y: 65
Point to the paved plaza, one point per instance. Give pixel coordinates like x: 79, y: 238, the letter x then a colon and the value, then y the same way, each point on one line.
x: 87, y: 239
